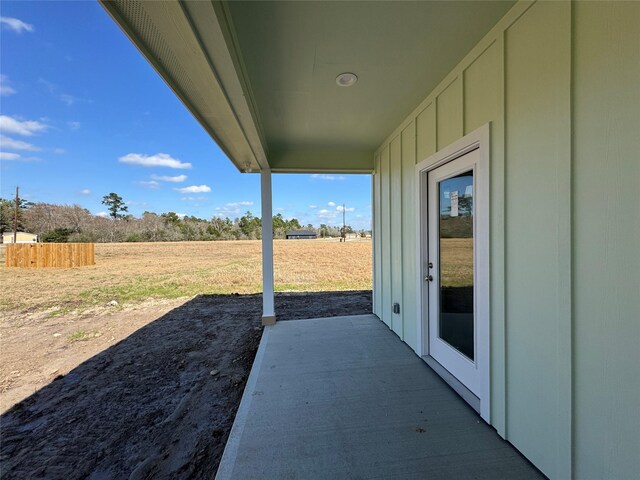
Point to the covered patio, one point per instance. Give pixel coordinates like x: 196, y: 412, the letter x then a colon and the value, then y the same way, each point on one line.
x: 539, y: 101
x: 344, y: 397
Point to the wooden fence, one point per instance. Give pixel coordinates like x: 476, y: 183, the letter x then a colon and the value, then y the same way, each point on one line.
x: 42, y: 255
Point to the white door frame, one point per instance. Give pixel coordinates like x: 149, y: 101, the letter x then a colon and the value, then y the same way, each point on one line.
x: 478, y: 139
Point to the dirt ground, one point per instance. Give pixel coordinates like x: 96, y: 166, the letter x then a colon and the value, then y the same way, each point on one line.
x: 145, y: 392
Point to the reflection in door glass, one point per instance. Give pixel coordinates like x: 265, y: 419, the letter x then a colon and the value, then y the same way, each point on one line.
x: 456, y: 322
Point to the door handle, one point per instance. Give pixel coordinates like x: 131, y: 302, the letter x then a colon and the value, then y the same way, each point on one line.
x: 428, y: 278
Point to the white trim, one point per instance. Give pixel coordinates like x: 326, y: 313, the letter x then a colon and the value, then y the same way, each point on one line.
x: 374, y: 279
x: 268, y: 309
x: 466, y: 370
x: 478, y: 139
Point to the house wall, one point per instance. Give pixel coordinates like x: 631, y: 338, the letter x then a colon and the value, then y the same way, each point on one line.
x: 21, y: 237
x: 606, y: 240
x: 560, y: 84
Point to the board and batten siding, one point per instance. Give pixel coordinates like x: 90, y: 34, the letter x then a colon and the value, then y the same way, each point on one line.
x: 385, y: 238
x: 377, y: 237
x: 606, y: 239
x: 559, y: 83
x: 395, y: 181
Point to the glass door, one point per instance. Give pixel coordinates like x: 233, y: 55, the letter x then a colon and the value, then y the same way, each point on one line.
x: 453, y: 326
x: 455, y: 251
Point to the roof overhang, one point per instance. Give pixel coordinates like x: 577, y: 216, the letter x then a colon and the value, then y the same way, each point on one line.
x: 191, y: 47
x: 260, y: 76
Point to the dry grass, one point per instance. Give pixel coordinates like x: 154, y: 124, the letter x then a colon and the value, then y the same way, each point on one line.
x: 457, y: 262
x: 134, y: 272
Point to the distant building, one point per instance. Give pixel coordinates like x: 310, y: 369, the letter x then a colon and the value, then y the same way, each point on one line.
x: 21, y: 237
x: 301, y: 235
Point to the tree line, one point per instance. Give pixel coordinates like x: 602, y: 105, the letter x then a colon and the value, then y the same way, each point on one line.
x: 73, y: 223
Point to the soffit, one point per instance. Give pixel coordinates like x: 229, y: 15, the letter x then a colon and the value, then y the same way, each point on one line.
x: 171, y: 36
x: 260, y: 76
x: 293, y: 51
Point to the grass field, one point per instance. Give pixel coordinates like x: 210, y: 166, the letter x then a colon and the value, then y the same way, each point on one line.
x: 131, y: 273
x: 457, y: 262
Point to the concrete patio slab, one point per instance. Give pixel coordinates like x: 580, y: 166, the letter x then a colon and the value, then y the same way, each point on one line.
x: 343, y: 397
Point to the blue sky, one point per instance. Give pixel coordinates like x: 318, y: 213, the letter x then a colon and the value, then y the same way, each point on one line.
x: 83, y: 115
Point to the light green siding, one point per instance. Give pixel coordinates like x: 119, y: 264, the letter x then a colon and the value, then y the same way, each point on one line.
x: 385, y: 237
x: 409, y: 264
x: 606, y: 238
x: 537, y: 116
x: 395, y: 178
x: 559, y: 84
x: 377, y: 240
x: 449, y: 114
x: 426, y: 132
x: 482, y: 88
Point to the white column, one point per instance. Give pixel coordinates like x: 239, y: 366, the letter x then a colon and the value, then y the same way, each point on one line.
x: 268, y: 309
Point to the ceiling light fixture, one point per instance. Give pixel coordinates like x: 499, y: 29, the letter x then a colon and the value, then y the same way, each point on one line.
x: 346, y: 79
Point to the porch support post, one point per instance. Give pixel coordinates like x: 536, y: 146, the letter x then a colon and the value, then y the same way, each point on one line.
x: 268, y: 309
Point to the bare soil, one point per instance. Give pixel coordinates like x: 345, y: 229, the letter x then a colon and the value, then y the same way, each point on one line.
x: 145, y: 392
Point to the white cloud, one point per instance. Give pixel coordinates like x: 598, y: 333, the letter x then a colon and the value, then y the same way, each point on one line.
x: 134, y: 203
x: 227, y: 212
x: 325, y: 214
x: 9, y: 156
x: 16, y: 25
x: 102, y: 214
x: 5, y: 88
x: 26, y: 128
x: 193, y: 199
x: 157, y: 160
x: 85, y: 192
x: 59, y: 151
x: 150, y: 184
x: 332, y: 204
x: 324, y: 176
x: 74, y: 125
x: 17, y: 157
x: 67, y: 99
x: 51, y: 87
x: 313, y: 206
x: 194, y: 189
x: 348, y: 209
x: 232, y: 209
x: 181, y: 215
x: 166, y: 178
x: 12, y: 144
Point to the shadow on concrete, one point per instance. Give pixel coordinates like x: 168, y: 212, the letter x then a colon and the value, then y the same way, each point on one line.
x: 161, y: 402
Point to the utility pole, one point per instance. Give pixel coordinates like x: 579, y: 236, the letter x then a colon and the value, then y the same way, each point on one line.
x: 344, y: 224
x: 15, y: 218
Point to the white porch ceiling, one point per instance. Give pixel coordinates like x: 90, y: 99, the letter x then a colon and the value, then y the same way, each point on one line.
x: 260, y: 76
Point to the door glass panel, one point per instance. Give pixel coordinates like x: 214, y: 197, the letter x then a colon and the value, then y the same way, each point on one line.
x: 456, y: 322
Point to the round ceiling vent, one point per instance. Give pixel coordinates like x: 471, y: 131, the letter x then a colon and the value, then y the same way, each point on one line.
x: 346, y: 79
